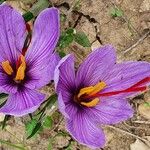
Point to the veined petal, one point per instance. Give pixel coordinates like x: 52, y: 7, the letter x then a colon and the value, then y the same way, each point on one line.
x: 68, y: 109
x: 64, y: 78
x: 85, y: 131
x: 125, y: 75
x: 110, y: 111
x: 12, y: 33
x: 22, y: 103
x: 64, y: 75
x: 42, y: 73
x: 45, y: 36
x: 96, y: 65
x: 6, y: 84
x: 61, y: 106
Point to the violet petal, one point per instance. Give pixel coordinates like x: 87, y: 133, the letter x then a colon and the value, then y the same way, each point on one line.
x: 85, y: 131
x: 23, y: 102
x: 110, y: 110
x: 42, y: 73
x: 12, y: 33
x: 96, y: 66
x: 125, y: 75
x: 45, y: 36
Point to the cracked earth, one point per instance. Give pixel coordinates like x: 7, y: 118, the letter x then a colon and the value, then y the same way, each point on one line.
x: 130, y: 34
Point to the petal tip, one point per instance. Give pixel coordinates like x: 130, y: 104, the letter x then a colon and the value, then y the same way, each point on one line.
x: 57, y: 72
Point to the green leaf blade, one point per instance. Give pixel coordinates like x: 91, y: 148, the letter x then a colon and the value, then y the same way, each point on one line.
x: 28, y: 16
x: 66, y: 38
x: 32, y: 128
x: 7, y: 117
x: 48, y: 122
x: 82, y: 39
x: 62, y: 54
x: 116, y: 12
x: 35, y: 130
x: 1, y: 1
x: 3, y: 99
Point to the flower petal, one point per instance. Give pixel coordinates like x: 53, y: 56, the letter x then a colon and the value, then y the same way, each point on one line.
x: 110, y: 111
x: 22, y: 103
x: 125, y: 75
x: 6, y: 84
x: 12, y: 33
x: 85, y: 131
x: 64, y: 75
x: 64, y: 78
x: 96, y: 65
x: 61, y: 105
x: 42, y: 73
x: 68, y: 109
x: 45, y: 36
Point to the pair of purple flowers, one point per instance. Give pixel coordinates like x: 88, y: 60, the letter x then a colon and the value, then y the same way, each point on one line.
x: 93, y: 95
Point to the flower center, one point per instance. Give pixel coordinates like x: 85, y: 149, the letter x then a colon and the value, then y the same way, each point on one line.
x: 88, y: 92
x: 20, y: 68
x: 137, y: 87
x: 89, y: 96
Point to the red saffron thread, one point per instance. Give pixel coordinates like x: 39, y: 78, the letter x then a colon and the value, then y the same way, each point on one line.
x: 134, y: 88
x: 28, y: 39
x: 123, y: 91
x: 28, y: 27
x: 18, y: 63
x: 145, y: 80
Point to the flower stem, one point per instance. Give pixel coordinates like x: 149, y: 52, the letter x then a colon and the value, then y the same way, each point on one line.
x: 1, y: 1
x: 36, y: 9
x: 12, y: 145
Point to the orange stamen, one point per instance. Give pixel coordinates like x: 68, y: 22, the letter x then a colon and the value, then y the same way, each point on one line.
x: 7, y: 67
x: 134, y: 88
x: 92, y: 103
x: 91, y: 90
x: 21, y: 70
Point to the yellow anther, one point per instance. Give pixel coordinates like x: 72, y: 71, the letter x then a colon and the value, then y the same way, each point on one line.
x: 98, y: 87
x: 91, y: 90
x: 7, y: 67
x: 21, y: 70
x: 92, y: 103
x: 85, y: 90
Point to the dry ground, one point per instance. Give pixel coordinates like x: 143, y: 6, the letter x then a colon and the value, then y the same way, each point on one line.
x: 130, y: 35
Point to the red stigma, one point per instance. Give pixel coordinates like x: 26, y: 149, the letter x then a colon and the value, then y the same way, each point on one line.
x: 134, y: 88
x: 145, y: 80
x: 28, y: 27
x: 28, y: 39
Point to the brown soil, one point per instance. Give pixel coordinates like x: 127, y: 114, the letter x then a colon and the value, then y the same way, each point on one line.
x: 125, y: 33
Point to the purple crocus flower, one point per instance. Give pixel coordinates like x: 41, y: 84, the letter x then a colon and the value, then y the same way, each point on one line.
x: 96, y: 94
x: 22, y: 73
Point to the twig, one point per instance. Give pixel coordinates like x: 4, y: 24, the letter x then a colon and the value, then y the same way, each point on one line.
x: 12, y: 145
x: 130, y: 134
x: 141, y: 122
x: 56, y: 126
x: 71, y: 9
x: 138, y: 42
x: 130, y: 26
x: 15, y: 137
x: 53, y: 109
x: 129, y: 126
x: 125, y: 18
